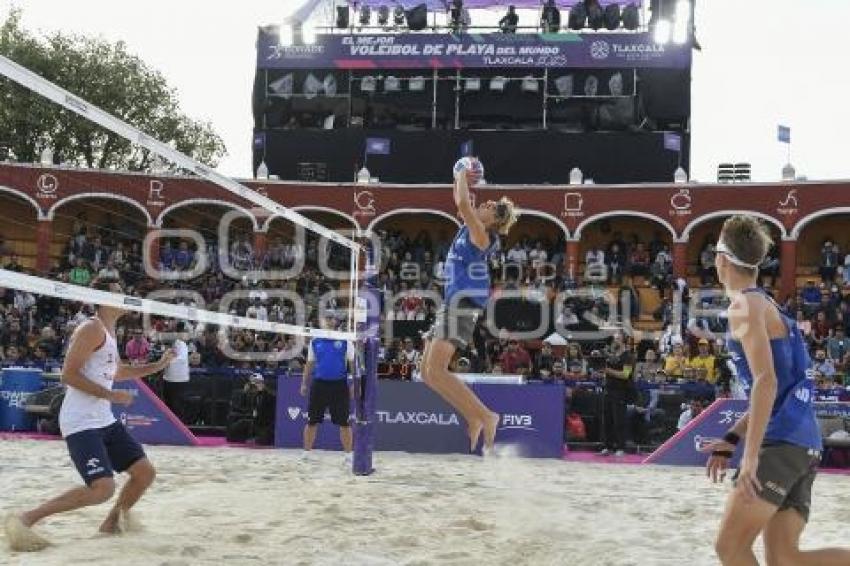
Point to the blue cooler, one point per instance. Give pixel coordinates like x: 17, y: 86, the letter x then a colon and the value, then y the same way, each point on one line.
x: 15, y: 386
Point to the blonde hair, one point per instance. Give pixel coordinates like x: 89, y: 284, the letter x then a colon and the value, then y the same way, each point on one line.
x: 507, y: 220
x: 747, y: 237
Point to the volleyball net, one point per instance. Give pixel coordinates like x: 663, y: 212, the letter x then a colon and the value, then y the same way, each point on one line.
x: 255, y: 300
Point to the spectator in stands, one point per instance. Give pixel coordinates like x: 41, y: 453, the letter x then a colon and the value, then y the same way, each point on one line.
x: 574, y: 363
x: 594, y: 263
x: 257, y: 310
x: 13, y: 264
x: 515, y: 360
x: 692, y: 411
x: 80, y: 275
x: 770, y: 267
x: 649, y: 369
x: 838, y: 347
x: 544, y: 360
x: 12, y: 335
x: 629, y: 300
x: 517, y: 254
x: 567, y: 317
x: 48, y: 343
x: 509, y: 21
x: 804, y: 324
x: 409, y: 354
x: 109, y: 271
x: 706, y: 264
x: 183, y: 257
x: 195, y: 360
x: 829, y: 262
x: 820, y: 329
x: 639, y: 261
x: 550, y: 19
x: 559, y: 373
x: 616, y: 263
x: 822, y: 366
x: 12, y: 356
x: 811, y: 297
x: 703, y: 363
x: 138, y: 348
x: 676, y: 362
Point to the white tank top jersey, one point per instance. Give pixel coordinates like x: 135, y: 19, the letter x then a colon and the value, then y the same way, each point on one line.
x: 81, y: 411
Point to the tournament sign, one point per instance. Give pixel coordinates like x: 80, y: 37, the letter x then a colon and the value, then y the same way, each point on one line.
x: 469, y: 51
x: 149, y: 420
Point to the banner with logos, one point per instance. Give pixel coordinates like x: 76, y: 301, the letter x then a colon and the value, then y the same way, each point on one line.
x: 149, y: 420
x: 682, y: 449
x: 469, y: 51
x: 412, y: 418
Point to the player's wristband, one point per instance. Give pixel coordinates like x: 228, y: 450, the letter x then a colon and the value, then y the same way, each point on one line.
x: 732, y: 438
x: 722, y: 453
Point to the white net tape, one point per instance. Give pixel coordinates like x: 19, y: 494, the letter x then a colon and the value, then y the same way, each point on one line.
x: 39, y: 285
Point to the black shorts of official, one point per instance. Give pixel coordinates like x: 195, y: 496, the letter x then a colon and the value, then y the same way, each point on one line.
x: 332, y: 396
x: 99, y: 452
x: 455, y: 325
x: 786, y: 473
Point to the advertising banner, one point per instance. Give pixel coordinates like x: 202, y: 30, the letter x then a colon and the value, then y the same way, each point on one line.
x: 532, y: 417
x: 149, y: 420
x: 682, y: 449
x: 412, y: 418
x: 470, y: 51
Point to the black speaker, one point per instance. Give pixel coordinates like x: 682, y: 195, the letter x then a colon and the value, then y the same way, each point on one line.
x: 612, y: 16
x: 578, y: 16
x: 342, y: 17
x: 631, y: 17
x: 417, y: 17
x: 595, y: 16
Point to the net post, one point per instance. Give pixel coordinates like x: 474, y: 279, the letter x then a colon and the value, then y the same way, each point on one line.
x: 366, y: 386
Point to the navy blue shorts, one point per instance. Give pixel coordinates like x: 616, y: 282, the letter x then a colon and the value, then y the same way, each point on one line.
x: 99, y: 452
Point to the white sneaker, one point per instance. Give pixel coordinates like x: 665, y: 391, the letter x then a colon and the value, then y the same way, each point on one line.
x: 604, y: 452
x: 348, y: 460
x: 306, y: 456
x: 619, y: 454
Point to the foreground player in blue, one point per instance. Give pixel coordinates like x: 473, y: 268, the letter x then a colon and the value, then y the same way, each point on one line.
x: 467, y: 290
x: 782, y: 442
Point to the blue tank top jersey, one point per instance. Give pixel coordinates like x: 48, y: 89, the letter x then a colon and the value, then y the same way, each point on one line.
x: 466, y: 269
x: 792, y: 419
x: 329, y: 357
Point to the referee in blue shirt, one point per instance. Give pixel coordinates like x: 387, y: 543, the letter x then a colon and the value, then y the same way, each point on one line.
x: 329, y: 363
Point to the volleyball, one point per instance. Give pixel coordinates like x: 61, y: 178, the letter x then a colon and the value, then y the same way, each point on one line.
x: 473, y: 168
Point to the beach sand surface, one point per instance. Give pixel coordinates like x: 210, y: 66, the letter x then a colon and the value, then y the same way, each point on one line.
x: 234, y: 506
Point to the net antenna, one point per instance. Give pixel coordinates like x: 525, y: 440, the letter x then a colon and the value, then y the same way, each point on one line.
x: 59, y: 95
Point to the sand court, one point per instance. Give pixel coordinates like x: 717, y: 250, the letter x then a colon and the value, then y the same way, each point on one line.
x: 245, y: 506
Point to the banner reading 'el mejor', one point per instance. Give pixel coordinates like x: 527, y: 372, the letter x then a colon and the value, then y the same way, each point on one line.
x: 591, y: 51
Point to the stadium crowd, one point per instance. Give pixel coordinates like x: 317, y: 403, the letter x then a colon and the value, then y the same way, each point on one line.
x: 689, y: 346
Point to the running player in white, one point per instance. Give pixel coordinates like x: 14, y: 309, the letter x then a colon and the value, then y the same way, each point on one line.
x: 97, y: 442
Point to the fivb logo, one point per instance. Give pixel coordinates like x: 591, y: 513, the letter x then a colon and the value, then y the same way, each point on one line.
x: 517, y: 422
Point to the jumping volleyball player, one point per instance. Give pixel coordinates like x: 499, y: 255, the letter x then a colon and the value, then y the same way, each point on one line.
x: 97, y: 443
x: 467, y: 290
x: 782, y: 443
